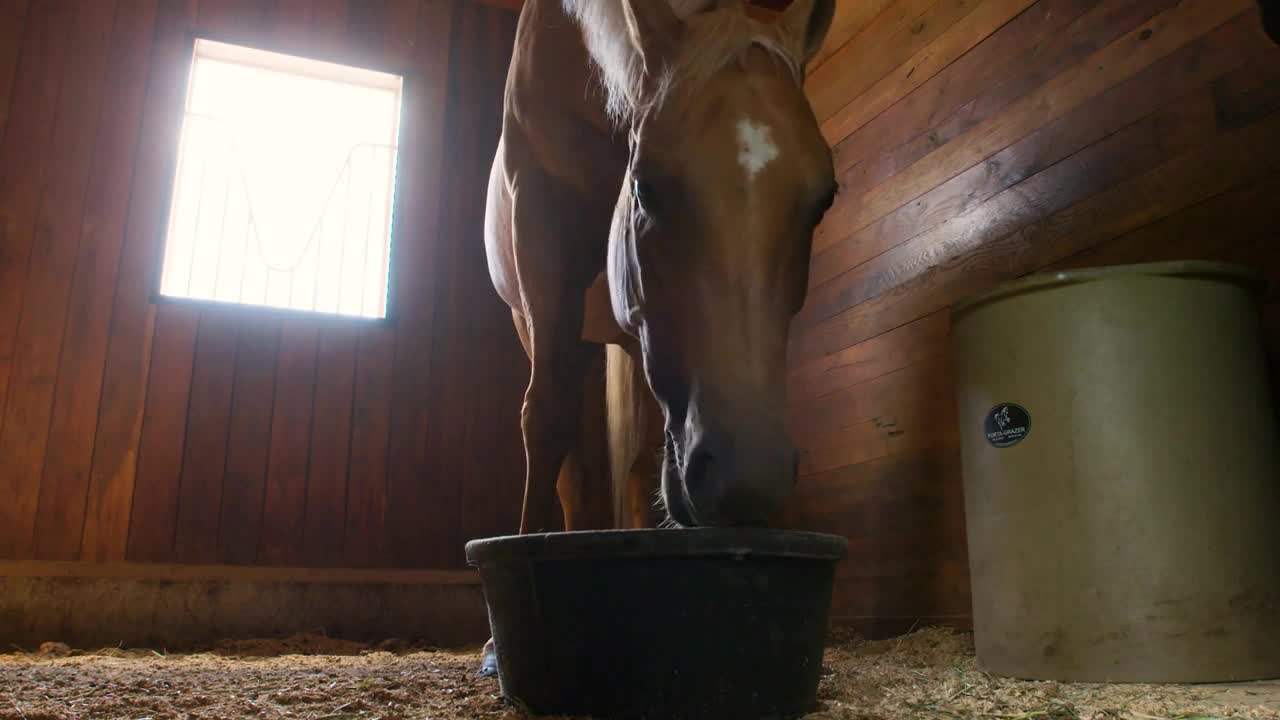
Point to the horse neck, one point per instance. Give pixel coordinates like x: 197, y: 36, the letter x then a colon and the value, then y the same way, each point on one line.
x: 555, y: 101
x: 572, y: 63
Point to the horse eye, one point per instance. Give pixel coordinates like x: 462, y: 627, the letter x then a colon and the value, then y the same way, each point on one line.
x: 642, y: 191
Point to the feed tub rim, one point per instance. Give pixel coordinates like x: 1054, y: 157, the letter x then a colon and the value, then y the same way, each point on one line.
x: 1244, y: 276
x: 655, y: 543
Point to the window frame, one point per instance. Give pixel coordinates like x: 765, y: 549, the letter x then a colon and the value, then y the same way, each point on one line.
x: 173, y: 138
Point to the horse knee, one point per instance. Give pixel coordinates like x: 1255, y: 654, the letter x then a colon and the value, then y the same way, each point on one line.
x: 538, y: 421
x: 547, y: 416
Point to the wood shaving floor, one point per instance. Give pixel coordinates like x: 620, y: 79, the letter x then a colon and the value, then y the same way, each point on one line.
x: 928, y: 674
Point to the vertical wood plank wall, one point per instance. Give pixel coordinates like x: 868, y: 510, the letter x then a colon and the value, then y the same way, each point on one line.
x: 977, y: 141
x: 181, y: 433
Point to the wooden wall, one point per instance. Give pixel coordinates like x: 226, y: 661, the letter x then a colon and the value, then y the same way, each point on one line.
x: 183, y: 433
x: 978, y: 141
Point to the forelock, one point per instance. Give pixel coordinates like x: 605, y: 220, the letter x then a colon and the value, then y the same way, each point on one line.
x: 720, y: 38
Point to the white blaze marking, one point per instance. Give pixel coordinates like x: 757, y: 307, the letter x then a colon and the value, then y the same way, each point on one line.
x: 755, y: 147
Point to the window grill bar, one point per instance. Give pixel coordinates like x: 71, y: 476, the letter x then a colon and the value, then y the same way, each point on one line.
x: 315, y: 283
x: 195, y: 230
x: 385, y: 246
x: 211, y: 135
x: 342, y: 246
x: 314, y: 244
x: 244, y: 255
x: 368, y: 220
x: 222, y: 235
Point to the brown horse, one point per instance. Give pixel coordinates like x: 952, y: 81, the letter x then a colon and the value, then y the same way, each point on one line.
x: 655, y: 190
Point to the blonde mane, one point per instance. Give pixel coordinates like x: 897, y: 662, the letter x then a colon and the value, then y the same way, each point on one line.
x: 725, y: 36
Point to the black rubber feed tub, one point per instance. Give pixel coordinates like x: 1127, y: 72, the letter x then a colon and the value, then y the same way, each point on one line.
x: 698, y: 623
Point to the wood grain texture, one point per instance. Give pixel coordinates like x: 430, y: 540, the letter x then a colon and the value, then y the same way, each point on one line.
x: 287, y: 464
x: 248, y: 442
x: 13, y: 23
x: 325, y: 511
x: 1039, y: 44
x: 1133, y: 114
x: 204, y: 458
x: 1114, y: 63
x: 417, y: 248
x: 144, y: 430
x: 1244, y: 215
x: 1043, y: 213
x: 78, y: 390
x: 122, y: 406
x: 1074, y: 134
x: 897, y: 414
x: 869, y: 401
x: 442, y: 491
x: 291, y: 23
x: 1080, y: 227
x: 480, y: 485
x: 1004, y: 53
x: 897, y: 33
x: 869, y: 360
x: 850, y: 20
x: 1164, y: 82
x: 365, y: 539
x: 918, y: 69
x: 178, y: 572
x: 154, y: 509
x: 54, y: 241
x: 24, y: 160
x: 899, y: 515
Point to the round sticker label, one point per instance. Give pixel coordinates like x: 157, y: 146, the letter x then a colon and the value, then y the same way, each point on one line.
x: 1007, y: 424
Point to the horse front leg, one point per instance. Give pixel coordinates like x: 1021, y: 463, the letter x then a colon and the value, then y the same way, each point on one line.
x: 586, y: 496
x: 553, y: 273
x: 549, y: 422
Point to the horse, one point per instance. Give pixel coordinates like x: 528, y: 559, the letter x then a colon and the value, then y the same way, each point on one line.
x: 652, y: 202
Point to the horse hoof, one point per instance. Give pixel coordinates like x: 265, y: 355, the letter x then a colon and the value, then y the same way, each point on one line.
x: 488, y: 662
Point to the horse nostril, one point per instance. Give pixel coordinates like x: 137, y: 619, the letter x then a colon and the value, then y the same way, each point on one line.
x: 697, y: 469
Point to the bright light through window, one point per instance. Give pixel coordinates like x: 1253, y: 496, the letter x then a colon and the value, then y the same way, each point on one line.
x: 284, y: 185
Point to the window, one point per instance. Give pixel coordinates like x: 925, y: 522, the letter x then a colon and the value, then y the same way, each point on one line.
x: 284, y: 184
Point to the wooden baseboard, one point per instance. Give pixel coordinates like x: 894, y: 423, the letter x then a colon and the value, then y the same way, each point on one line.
x: 244, y: 573
x: 180, y: 607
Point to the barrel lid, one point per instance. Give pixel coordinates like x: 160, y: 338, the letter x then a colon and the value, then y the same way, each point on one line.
x: 1245, y: 277
x: 683, y: 542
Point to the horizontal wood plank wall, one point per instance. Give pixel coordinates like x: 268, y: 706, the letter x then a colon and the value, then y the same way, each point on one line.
x: 978, y: 141
x: 176, y: 433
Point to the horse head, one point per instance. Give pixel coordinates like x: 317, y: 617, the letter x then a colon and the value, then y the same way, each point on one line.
x: 728, y: 176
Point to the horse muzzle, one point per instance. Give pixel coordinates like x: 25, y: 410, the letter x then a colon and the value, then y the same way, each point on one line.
x: 737, y: 479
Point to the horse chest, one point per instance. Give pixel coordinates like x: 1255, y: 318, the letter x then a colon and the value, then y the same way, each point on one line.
x: 598, y: 323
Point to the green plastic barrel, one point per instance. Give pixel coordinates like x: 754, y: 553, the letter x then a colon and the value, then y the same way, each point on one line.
x: 1121, y: 475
